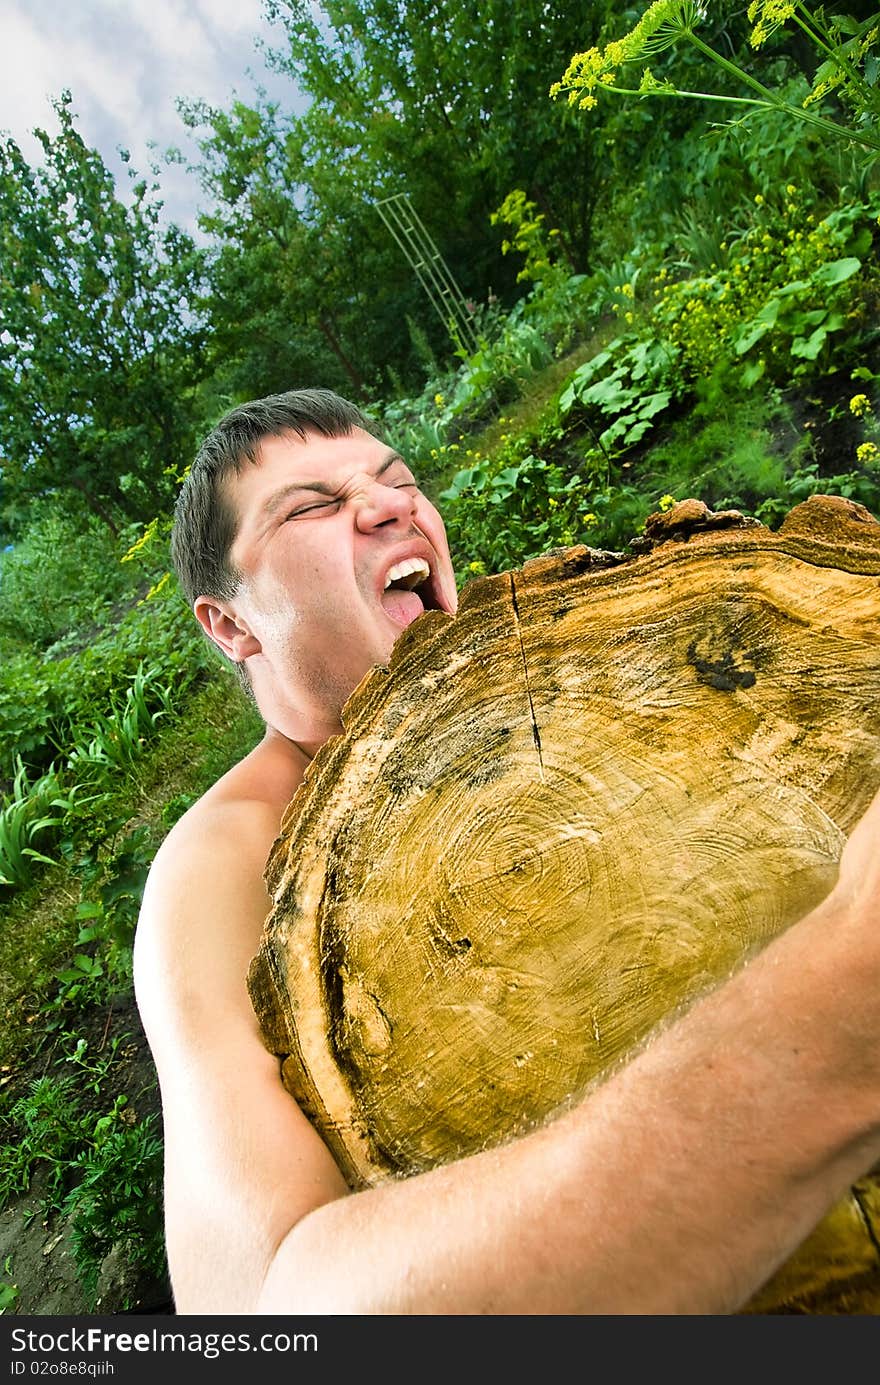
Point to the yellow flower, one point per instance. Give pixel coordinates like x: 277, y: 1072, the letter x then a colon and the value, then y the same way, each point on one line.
x: 476, y: 568
x: 146, y: 537
x: 439, y: 400
x: 759, y: 200
x: 666, y: 502
x: 860, y: 405
x: 156, y: 588
x: 867, y: 452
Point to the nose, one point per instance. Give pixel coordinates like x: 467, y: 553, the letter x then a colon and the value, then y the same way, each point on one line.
x: 380, y: 504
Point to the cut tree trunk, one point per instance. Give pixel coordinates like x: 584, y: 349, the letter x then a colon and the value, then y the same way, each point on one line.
x: 560, y: 815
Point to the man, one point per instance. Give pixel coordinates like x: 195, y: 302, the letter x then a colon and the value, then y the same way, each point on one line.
x: 677, y: 1186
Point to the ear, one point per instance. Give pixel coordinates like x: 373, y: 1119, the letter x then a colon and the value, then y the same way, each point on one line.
x: 226, y: 629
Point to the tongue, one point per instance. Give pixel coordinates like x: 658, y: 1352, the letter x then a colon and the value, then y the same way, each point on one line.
x: 402, y: 606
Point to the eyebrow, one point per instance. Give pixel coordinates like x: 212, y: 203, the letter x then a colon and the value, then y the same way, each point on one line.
x: 320, y: 487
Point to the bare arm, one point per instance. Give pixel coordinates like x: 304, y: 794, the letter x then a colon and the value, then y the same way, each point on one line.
x: 736, y: 1127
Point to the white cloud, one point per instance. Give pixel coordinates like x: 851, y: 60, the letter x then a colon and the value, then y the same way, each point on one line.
x: 126, y: 62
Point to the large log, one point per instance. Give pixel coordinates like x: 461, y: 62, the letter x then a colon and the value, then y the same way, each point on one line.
x: 560, y: 815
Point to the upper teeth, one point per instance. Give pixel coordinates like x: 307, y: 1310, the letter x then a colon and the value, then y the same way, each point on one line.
x: 416, y: 568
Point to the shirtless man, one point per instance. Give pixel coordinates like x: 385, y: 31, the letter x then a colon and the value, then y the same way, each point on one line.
x: 676, y: 1187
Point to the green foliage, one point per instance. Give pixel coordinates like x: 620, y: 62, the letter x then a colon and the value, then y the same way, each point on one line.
x: 496, y: 517
x: 31, y: 815
x: 102, y: 340
x: 40, y: 1128
x: 531, y: 239
x: 47, y: 705
x: 9, y: 1292
x: 846, y: 57
x: 101, y: 1171
x: 512, y: 349
x: 116, y: 1200
x: 100, y: 718
x: 787, y: 285
x: 114, y: 739
x: 619, y: 392
x: 307, y: 284
x: 63, y: 574
x: 113, y: 880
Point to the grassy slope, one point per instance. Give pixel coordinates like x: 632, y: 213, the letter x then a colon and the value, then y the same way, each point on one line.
x: 38, y: 927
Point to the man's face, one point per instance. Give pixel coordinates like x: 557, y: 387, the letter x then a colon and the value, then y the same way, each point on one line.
x: 339, y: 551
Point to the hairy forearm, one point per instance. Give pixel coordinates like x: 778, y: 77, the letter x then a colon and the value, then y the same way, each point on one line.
x: 677, y: 1186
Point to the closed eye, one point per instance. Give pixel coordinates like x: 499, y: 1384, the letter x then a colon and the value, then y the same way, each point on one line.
x: 312, y: 509
x: 335, y: 501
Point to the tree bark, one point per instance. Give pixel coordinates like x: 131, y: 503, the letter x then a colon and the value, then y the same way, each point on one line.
x: 560, y: 815
x: 333, y: 342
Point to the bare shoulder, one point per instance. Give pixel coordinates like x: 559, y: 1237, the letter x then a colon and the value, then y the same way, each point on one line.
x: 205, y: 900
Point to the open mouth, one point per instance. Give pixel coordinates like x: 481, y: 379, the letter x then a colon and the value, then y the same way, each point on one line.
x: 410, y: 588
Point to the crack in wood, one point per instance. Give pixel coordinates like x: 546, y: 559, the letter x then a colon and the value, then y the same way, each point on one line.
x: 536, y: 735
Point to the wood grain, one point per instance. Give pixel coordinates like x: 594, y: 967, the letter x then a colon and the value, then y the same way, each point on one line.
x: 556, y: 818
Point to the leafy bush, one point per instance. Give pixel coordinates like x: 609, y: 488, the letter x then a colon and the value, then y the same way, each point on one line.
x: 116, y: 1200
x: 103, y: 1172
x: 496, y: 518
x: 46, y: 704
x: 788, y: 286
x: 64, y: 574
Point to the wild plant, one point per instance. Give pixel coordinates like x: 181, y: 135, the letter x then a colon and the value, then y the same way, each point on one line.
x: 846, y: 53
x: 496, y: 517
x: 116, y: 1198
x: 115, y: 739
x: 113, y: 879
x: 42, y: 1129
x: 9, y: 1291
x: 102, y: 1172
x: 30, y: 814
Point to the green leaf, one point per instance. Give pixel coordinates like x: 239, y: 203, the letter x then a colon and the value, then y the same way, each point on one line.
x: 836, y: 271
x: 654, y: 403
x: 748, y: 335
x: 809, y: 347
x: 88, y: 910
x: 752, y: 372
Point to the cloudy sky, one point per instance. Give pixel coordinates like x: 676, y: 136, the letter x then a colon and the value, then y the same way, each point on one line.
x: 125, y: 62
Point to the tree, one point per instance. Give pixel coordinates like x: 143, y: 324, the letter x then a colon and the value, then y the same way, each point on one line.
x: 278, y: 284
x: 436, y: 95
x: 443, y: 101
x: 102, y: 343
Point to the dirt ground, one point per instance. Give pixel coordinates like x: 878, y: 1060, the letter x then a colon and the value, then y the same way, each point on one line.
x: 37, y: 1247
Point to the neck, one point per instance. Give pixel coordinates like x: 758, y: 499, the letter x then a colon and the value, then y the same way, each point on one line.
x: 303, y: 720
x: 305, y: 738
